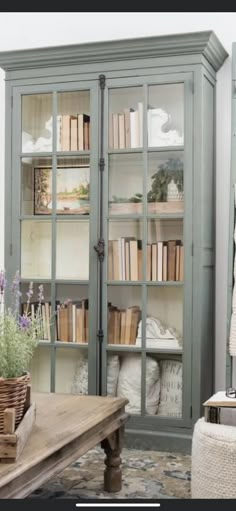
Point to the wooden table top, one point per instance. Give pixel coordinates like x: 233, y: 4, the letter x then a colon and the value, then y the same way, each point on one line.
x: 221, y: 400
x: 60, y: 419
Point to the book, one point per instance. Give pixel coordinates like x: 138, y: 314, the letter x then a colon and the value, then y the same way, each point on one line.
x: 164, y: 265
x: 73, y: 133
x: 81, y: 142
x: 121, y: 127
x: 86, y: 132
x: 133, y: 245
x: 148, y: 262
x: 177, y: 260
x: 134, y: 129
x: 63, y: 318
x: 127, y: 128
x: 171, y: 264
x: 159, y: 261
x: 65, y: 133
x: 181, y: 263
x: 140, y: 114
x: 140, y: 260
x: 154, y: 261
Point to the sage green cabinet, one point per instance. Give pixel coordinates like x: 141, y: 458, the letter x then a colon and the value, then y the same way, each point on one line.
x: 110, y: 183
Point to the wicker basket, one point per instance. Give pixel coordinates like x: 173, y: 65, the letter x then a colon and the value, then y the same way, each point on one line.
x: 13, y: 395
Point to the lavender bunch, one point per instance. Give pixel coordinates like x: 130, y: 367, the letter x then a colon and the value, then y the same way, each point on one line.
x: 19, y: 332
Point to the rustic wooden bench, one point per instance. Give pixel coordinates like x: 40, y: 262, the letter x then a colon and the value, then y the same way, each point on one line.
x: 66, y: 427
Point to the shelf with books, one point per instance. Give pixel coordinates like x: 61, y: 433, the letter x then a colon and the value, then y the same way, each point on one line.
x: 72, y: 314
x: 73, y: 121
x: 126, y: 118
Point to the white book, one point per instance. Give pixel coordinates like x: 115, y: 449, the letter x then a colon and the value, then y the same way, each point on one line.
x: 73, y: 322
x: 120, y: 259
x: 134, y: 129
x: 140, y: 113
x: 159, y: 260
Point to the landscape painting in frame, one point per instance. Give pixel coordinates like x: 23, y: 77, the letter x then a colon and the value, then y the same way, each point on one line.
x: 72, y: 190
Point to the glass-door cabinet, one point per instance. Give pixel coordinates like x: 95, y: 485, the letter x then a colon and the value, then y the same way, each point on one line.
x: 55, y: 210
x: 148, y: 226
x: 110, y: 205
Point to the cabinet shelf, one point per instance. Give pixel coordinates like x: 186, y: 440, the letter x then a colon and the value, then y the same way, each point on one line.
x: 136, y: 349
x: 45, y: 154
x: 142, y: 282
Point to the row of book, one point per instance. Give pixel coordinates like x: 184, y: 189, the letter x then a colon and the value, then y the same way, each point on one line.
x: 75, y: 132
x: 71, y: 320
x: 164, y: 260
x: 126, y: 128
x: 123, y: 324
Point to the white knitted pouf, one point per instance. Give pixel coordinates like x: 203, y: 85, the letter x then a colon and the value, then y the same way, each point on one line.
x: 213, y: 461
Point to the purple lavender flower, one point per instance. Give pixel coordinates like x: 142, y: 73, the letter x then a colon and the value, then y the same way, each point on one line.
x: 40, y: 293
x: 24, y: 322
x: 15, y: 282
x: 30, y: 292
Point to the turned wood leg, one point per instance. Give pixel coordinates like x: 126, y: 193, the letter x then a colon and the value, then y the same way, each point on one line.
x: 112, y: 446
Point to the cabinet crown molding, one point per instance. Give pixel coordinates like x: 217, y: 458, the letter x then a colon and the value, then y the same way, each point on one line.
x: 203, y: 43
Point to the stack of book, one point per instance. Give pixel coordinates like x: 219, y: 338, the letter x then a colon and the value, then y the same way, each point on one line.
x: 46, y: 312
x: 75, y: 132
x: 126, y: 128
x: 123, y: 324
x: 164, y: 260
x: 125, y: 259
x: 71, y: 320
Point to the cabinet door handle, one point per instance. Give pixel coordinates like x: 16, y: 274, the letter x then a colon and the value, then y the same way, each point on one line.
x: 100, y: 249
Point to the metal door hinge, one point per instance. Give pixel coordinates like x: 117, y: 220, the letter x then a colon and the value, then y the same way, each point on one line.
x: 100, y: 335
x: 101, y: 164
x: 193, y: 86
x: 100, y: 249
x: 11, y: 249
x: 191, y: 412
x: 102, y: 81
x: 11, y: 101
x: 192, y: 249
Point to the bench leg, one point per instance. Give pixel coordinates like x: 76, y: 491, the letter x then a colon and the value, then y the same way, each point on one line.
x: 112, y: 446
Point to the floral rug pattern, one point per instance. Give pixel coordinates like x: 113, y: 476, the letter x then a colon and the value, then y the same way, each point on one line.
x: 145, y: 474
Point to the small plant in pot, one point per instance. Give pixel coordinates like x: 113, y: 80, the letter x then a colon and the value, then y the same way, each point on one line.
x: 19, y: 336
x: 169, y: 171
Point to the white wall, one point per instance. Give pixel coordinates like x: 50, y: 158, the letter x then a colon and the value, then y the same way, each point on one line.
x: 28, y: 30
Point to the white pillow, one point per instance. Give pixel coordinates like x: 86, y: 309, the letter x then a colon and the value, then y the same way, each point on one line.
x: 80, y: 378
x: 171, y: 389
x: 113, y: 369
x: 129, y: 383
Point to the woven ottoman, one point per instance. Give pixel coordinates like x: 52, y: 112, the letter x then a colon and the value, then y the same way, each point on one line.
x: 213, y: 461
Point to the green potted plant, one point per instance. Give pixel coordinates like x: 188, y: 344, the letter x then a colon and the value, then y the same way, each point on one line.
x: 19, y: 336
x: 169, y: 171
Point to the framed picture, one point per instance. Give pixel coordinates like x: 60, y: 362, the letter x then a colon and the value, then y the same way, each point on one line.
x: 72, y: 190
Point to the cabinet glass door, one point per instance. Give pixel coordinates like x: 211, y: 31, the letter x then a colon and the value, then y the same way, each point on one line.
x: 146, y: 335
x: 54, y: 229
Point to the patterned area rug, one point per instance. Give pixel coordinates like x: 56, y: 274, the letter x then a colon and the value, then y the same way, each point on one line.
x: 145, y: 474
